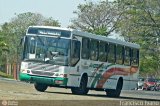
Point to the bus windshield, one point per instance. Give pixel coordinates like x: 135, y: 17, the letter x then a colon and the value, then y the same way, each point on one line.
x: 46, y: 49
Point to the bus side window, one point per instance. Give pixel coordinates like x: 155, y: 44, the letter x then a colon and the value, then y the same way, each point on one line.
x: 102, y: 52
x: 94, y: 50
x: 85, y: 48
x: 112, y: 53
x: 127, y: 55
x: 119, y: 55
x: 75, y: 52
x: 135, y: 57
x: 32, y: 45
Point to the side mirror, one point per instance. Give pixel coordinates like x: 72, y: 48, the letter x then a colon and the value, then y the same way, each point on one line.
x: 22, y: 41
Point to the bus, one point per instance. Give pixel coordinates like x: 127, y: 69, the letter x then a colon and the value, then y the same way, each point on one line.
x: 81, y: 61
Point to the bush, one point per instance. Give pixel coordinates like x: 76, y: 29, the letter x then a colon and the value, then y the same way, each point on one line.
x: 2, y: 74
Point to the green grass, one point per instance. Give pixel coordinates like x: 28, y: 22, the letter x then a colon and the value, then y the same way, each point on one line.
x: 2, y: 74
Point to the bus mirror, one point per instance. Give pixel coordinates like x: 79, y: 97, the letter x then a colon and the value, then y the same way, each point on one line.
x: 22, y: 41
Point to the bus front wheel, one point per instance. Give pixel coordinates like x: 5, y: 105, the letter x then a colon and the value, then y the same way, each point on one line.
x: 82, y: 90
x: 40, y: 87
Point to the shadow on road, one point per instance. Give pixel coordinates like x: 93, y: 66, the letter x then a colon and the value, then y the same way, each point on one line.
x: 143, y: 99
x: 104, y: 96
x: 59, y: 92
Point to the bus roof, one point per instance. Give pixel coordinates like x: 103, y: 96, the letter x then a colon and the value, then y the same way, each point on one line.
x: 104, y: 38
x: 92, y: 36
x: 51, y: 27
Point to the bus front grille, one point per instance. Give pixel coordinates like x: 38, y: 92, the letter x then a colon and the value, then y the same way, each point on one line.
x: 42, y: 73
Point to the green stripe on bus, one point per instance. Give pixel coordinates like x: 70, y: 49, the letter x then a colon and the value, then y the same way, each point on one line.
x: 99, y: 76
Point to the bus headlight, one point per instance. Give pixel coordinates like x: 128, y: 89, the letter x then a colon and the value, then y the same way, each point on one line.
x: 24, y: 65
x: 28, y: 71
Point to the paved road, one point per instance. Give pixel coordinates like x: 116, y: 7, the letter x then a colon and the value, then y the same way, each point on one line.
x: 16, y: 90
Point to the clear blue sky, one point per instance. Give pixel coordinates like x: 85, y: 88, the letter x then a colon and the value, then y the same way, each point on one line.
x: 61, y: 10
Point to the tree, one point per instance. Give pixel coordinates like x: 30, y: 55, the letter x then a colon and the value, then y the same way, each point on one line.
x: 3, y: 45
x: 3, y: 48
x: 14, y: 30
x: 99, y: 18
x: 140, y: 23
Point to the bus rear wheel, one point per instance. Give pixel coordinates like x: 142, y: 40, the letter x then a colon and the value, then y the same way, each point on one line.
x: 40, y: 87
x: 82, y: 90
x: 117, y: 91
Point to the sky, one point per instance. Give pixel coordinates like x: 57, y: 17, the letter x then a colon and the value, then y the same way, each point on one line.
x: 61, y: 10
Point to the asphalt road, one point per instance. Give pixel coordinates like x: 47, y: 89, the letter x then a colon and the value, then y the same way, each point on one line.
x: 16, y: 90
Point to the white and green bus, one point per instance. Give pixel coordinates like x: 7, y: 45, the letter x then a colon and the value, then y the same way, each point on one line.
x: 81, y: 61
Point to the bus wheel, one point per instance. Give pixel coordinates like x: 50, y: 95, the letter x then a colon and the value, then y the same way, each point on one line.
x: 82, y: 90
x: 40, y: 87
x: 117, y: 91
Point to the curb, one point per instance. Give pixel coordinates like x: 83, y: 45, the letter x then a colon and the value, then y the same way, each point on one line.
x: 8, y: 79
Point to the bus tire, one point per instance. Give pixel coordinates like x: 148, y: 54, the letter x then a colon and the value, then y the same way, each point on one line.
x: 40, y: 87
x: 82, y: 90
x: 115, y: 92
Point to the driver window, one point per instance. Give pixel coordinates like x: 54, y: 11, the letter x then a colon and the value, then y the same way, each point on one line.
x: 75, y: 52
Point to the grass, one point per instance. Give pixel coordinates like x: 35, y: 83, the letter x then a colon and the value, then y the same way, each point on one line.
x: 2, y: 74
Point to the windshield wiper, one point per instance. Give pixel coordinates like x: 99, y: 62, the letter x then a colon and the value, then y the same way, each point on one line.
x: 40, y: 40
x: 33, y: 60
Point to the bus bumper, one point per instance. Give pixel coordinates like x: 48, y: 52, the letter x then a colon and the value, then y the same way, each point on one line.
x: 44, y: 80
